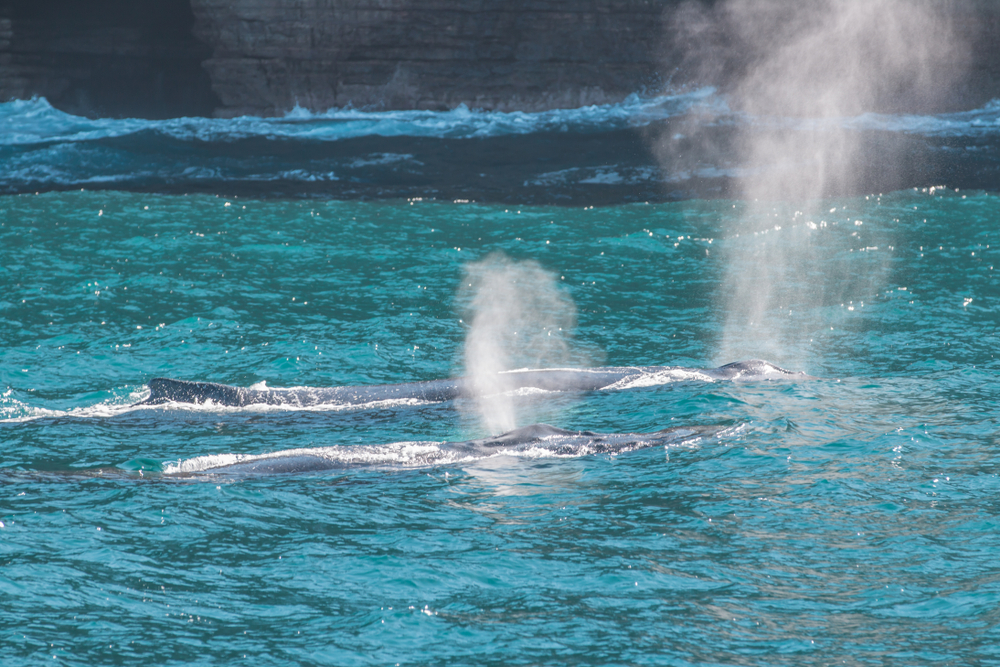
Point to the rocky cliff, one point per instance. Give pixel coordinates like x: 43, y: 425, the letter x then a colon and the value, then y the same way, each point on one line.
x: 161, y: 58
x: 270, y: 55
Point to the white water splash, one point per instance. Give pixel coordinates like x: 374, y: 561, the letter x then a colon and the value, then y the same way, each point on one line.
x: 396, y: 454
x: 34, y: 121
x: 657, y: 378
x: 14, y: 411
x: 421, y: 454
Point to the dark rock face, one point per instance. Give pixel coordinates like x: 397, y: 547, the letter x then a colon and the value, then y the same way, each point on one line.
x: 106, y: 58
x: 163, y: 58
x: 429, y: 54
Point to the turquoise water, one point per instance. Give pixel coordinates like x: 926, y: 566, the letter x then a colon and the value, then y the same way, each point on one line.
x: 851, y: 519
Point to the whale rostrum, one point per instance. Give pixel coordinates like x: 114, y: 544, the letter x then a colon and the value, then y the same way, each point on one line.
x: 165, y: 390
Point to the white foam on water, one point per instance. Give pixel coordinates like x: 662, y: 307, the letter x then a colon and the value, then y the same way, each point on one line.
x: 540, y: 452
x: 410, y: 453
x: 607, y: 176
x: 975, y: 123
x: 13, y: 410
x: 34, y: 121
x: 25, y: 122
x: 421, y: 454
x: 211, y: 406
x: 600, y: 175
x: 661, y: 377
x: 22, y: 412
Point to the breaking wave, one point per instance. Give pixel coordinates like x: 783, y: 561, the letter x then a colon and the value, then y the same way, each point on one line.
x: 35, y: 121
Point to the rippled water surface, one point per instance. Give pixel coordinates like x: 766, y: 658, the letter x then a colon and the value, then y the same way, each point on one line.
x: 850, y: 519
x: 674, y: 146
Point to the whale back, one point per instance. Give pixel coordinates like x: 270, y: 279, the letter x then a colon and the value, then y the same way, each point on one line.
x: 527, y: 435
x: 166, y: 390
x: 533, y: 440
x: 754, y: 369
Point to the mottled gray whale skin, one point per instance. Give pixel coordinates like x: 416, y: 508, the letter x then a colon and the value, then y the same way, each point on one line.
x: 165, y: 390
x: 553, y: 440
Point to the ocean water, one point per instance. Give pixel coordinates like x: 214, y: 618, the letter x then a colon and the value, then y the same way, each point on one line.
x: 847, y: 519
x: 632, y: 152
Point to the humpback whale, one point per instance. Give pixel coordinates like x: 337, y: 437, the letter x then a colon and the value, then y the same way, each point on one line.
x: 537, y: 439
x: 533, y: 442
x: 166, y: 390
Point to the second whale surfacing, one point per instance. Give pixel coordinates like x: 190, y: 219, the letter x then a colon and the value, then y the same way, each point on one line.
x: 165, y: 390
x: 537, y: 440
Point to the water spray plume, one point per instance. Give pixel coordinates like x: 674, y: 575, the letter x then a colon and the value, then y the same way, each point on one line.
x: 518, y: 318
x: 815, y: 65
x: 794, y: 75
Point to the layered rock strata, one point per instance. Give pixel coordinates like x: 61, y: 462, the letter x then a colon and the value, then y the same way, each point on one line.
x: 162, y: 58
x: 270, y: 55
